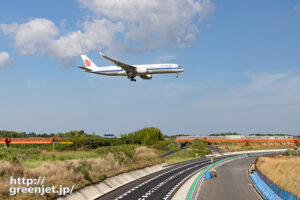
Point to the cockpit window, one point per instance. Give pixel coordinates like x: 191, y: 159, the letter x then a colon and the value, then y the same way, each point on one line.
x: 179, y: 66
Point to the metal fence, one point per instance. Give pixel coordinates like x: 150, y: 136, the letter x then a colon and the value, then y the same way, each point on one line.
x: 279, y: 191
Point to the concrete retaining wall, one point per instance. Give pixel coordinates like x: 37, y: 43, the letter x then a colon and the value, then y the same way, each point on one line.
x: 96, y: 190
x: 255, y: 151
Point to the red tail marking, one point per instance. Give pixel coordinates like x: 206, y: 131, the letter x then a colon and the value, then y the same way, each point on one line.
x: 87, y: 63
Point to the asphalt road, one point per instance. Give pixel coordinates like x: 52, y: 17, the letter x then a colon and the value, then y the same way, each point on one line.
x: 156, y: 186
x: 232, y: 182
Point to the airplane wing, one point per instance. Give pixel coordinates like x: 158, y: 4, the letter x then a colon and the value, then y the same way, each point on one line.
x: 128, y: 68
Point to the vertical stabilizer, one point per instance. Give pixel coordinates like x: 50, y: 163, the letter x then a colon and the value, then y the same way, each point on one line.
x: 88, y: 63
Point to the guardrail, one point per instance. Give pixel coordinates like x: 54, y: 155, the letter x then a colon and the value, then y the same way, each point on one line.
x: 277, y: 190
x: 196, y: 184
x: 262, y: 188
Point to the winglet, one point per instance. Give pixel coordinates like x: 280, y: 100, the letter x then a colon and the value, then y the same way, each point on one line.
x: 101, y: 53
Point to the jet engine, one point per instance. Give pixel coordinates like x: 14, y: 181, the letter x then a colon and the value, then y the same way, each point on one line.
x: 147, y: 76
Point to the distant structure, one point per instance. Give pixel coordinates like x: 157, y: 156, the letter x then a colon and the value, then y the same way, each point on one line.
x: 109, y: 136
x: 243, y: 140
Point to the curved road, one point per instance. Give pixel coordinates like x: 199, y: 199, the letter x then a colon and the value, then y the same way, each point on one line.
x: 232, y: 182
x: 157, y: 186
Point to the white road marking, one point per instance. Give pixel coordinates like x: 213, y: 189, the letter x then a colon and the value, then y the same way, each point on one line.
x: 136, y: 187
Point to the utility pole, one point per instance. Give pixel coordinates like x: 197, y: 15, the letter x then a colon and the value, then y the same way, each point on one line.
x: 53, y: 153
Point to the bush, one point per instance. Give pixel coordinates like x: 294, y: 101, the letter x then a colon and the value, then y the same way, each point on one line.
x: 165, y: 146
x: 128, y: 150
x: 290, y: 152
x: 84, y: 168
x: 103, y: 177
x: 146, y: 136
x: 200, y: 147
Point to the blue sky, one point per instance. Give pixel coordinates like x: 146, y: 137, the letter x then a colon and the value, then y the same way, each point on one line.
x: 241, y: 60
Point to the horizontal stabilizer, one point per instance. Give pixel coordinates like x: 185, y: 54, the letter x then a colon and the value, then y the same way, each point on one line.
x: 85, y: 69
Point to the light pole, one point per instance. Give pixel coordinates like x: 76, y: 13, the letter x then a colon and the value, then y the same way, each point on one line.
x: 53, y: 153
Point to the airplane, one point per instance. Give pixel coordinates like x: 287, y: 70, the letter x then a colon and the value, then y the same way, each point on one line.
x: 131, y: 71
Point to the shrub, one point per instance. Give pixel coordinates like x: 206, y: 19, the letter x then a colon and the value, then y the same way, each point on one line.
x: 84, y: 168
x: 200, y: 147
x: 146, y: 136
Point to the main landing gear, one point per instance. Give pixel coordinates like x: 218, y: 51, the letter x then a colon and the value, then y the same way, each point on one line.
x: 132, y: 78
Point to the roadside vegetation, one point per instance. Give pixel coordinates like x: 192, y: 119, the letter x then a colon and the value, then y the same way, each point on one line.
x: 291, y: 152
x: 80, y: 172
x: 196, y: 147
x: 284, y: 171
x: 90, y: 159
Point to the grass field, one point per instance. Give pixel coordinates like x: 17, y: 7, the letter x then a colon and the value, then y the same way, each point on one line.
x: 69, y: 168
x: 283, y: 171
x: 197, y: 147
x: 33, y: 157
x: 180, y: 156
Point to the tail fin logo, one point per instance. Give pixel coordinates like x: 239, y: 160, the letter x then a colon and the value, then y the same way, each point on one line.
x: 87, y: 63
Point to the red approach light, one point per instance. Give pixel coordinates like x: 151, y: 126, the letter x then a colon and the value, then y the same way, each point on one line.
x: 28, y: 140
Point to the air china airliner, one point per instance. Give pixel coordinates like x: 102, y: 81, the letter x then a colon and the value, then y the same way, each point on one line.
x: 131, y: 71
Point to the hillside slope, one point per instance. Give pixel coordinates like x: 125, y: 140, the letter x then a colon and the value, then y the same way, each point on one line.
x: 283, y: 171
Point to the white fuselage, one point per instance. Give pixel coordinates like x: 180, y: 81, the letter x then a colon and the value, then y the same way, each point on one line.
x: 141, y: 69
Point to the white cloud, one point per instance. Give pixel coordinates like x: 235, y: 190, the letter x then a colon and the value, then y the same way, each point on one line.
x: 41, y: 37
x: 261, y: 84
x: 32, y: 37
x: 140, y: 25
x: 154, y: 23
x: 264, y: 90
x: 4, y: 59
x: 165, y: 58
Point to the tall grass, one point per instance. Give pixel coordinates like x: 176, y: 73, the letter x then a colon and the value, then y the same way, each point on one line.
x: 197, y: 147
x: 80, y: 172
x: 283, y: 171
x: 33, y: 157
x: 181, y: 156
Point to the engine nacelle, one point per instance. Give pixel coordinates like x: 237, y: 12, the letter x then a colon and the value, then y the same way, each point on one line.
x: 142, y: 70
x: 147, y: 76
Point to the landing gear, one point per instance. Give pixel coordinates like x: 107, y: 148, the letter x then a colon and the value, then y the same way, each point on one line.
x: 132, y: 78
x: 176, y: 75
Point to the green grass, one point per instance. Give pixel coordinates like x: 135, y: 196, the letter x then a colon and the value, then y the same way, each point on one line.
x: 197, y: 147
x: 290, y: 152
x: 32, y: 163
x: 34, y: 157
x: 180, y: 156
x: 75, y: 155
